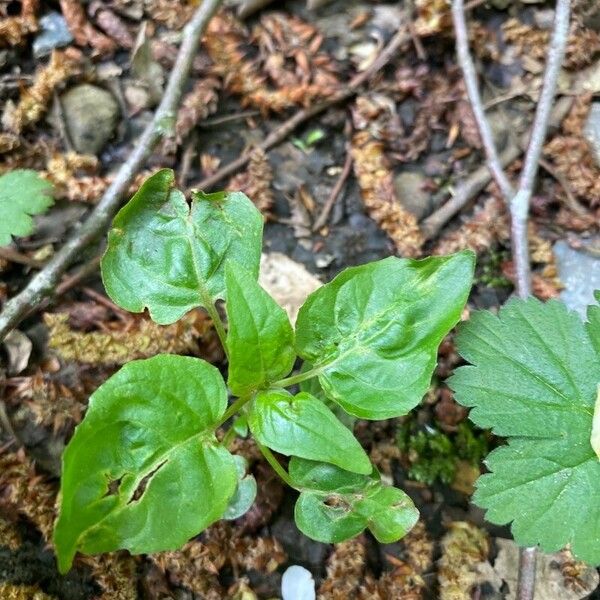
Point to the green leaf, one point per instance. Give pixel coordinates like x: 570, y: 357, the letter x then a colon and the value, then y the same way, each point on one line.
x: 143, y: 471
x: 593, y: 324
x: 303, y: 426
x: 260, y: 338
x: 23, y: 193
x: 169, y: 257
x: 335, y: 505
x: 245, y: 492
x: 533, y: 378
x: 373, y: 332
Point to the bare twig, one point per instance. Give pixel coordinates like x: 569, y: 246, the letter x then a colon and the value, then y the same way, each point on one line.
x: 12, y: 255
x: 464, y: 193
x: 526, y: 581
x: 45, y: 281
x: 281, y: 133
x: 188, y: 156
x: 519, y: 201
x: 471, y: 83
x: 519, y: 205
x: 335, y: 192
x: 70, y: 281
x: 220, y: 120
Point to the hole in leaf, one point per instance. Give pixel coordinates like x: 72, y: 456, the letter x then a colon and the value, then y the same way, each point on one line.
x: 337, y: 502
x: 113, y: 487
x: 141, y: 488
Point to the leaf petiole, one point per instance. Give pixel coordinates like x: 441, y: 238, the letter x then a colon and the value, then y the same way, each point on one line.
x: 299, y: 377
x: 276, y: 466
x: 233, y: 409
x: 228, y: 437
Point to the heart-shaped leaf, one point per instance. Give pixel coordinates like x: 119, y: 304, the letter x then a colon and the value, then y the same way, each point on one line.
x: 373, y: 332
x: 260, y: 338
x: 533, y: 378
x: 335, y: 505
x: 303, y: 426
x: 169, y: 257
x: 143, y: 471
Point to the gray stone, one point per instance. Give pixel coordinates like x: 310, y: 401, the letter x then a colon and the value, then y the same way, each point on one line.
x: 54, y: 34
x: 579, y: 271
x: 91, y: 115
x: 591, y: 130
x: 410, y: 192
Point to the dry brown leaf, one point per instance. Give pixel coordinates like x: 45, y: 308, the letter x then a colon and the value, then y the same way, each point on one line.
x: 375, y: 179
x: 84, y: 33
x: 142, y: 339
x: 256, y: 181
x: 35, y: 99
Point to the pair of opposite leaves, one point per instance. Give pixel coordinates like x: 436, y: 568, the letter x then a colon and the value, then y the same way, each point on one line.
x: 371, y: 334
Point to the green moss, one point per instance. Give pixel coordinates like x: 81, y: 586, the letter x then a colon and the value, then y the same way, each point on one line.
x: 489, y: 270
x: 433, y: 455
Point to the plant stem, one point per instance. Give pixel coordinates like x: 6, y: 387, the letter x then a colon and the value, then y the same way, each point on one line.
x: 526, y: 581
x: 42, y: 284
x: 233, y: 409
x: 288, y: 381
x: 470, y: 77
x: 228, y: 437
x: 270, y: 458
x: 518, y: 202
x: 213, y: 313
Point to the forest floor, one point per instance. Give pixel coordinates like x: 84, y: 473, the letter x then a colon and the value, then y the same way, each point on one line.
x: 363, y: 179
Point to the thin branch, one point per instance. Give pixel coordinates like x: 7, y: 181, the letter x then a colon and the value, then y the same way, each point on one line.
x: 335, y: 192
x: 526, y: 581
x: 281, y: 133
x: 519, y: 206
x: 46, y: 280
x: 464, y: 193
x: 470, y: 76
x: 519, y: 201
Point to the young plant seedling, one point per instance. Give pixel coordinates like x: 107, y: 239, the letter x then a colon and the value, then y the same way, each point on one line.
x: 145, y: 471
x: 533, y: 378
